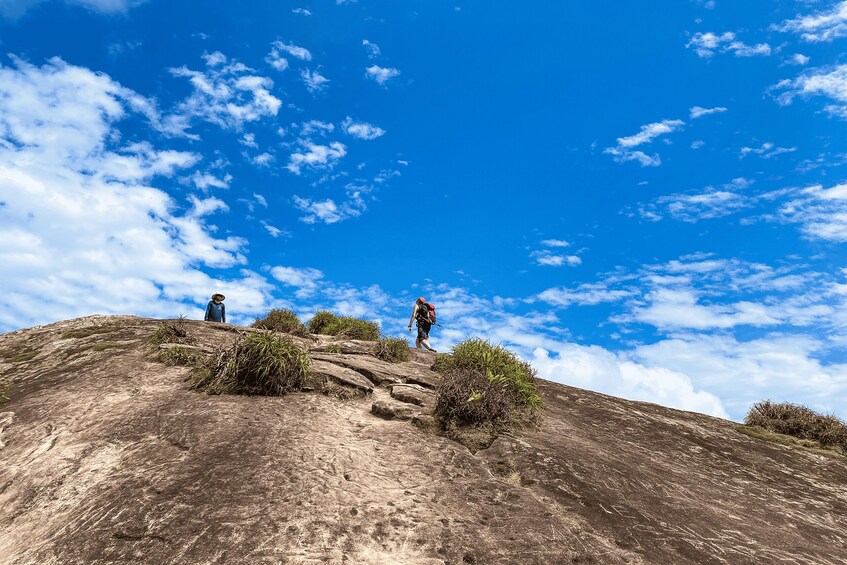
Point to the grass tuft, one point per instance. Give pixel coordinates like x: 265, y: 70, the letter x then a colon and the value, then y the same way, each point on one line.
x: 332, y: 348
x: 348, y: 327
x: 392, y: 349
x: 283, y: 321
x: 175, y: 331
x: 800, y: 422
x: 260, y: 363
x: 484, y: 385
x: 18, y: 355
x: 178, y: 356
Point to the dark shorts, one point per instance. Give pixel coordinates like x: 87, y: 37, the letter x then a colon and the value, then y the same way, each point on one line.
x: 423, y: 330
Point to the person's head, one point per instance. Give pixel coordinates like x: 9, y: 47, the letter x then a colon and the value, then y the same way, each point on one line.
x: 421, y: 300
x: 218, y: 297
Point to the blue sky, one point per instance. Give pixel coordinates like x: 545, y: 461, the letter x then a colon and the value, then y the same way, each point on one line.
x: 646, y: 200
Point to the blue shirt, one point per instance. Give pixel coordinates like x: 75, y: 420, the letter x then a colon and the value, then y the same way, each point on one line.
x: 215, y: 312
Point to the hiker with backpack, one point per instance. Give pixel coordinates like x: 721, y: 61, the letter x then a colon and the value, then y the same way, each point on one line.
x: 215, y: 310
x: 424, y: 314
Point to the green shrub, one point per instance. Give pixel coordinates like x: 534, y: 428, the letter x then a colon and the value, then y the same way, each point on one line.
x: 321, y: 321
x: 178, y: 356
x: 392, y: 349
x: 467, y: 396
x: 174, y: 331
x: 327, y: 323
x: 260, y: 363
x: 499, y: 365
x: 798, y: 421
x: 332, y: 348
x: 283, y: 321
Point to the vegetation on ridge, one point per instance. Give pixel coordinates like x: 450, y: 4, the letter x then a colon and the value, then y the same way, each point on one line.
x: 283, y: 321
x: 800, y: 422
x: 486, y: 387
x: 327, y: 323
x: 259, y: 363
x: 392, y: 349
x: 174, y: 331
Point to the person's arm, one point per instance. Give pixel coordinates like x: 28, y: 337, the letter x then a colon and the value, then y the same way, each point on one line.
x: 414, y: 312
x: 223, y: 313
x: 206, y: 315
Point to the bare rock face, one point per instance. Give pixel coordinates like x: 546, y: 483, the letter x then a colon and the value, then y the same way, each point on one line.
x: 109, y: 458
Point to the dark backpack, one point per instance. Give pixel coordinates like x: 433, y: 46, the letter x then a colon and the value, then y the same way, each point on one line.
x: 426, y: 312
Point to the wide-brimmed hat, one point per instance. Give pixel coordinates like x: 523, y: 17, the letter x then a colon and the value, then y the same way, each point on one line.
x: 218, y: 294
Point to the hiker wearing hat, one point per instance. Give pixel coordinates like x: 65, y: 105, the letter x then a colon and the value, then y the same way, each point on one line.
x: 421, y: 314
x: 215, y: 310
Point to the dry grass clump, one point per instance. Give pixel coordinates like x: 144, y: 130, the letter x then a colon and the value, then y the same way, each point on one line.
x: 327, y: 323
x: 283, y: 321
x: 89, y: 331
x: 800, y: 422
x: 485, y: 390
x: 392, y: 349
x: 260, y: 363
x: 175, y: 331
x: 179, y: 356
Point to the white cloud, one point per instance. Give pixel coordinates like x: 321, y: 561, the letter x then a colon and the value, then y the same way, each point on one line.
x: 624, y: 152
x: 622, y: 156
x: 598, y: 369
x: 301, y: 12
x: 362, y: 130
x: 17, y: 8
x: 294, y: 50
x: 263, y: 159
x: 328, y: 211
x: 306, y: 280
x: 225, y: 95
x: 547, y: 258
x: 821, y: 212
x: 204, y: 181
x: 249, y: 140
x: 800, y: 59
x: 275, y: 231
x: 82, y: 230
x: 829, y: 82
x: 260, y: 199
x: 381, y: 74
x: 766, y: 151
x: 697, y: 144
x: 373, y: 48
x: 698, y: 112
x: 650, y: 132
x: 314, y: 81
x: 555, y: 243
x: 588, y: 294
x: 824, y: 26
x: 316, y: 156
x: 706, y: 44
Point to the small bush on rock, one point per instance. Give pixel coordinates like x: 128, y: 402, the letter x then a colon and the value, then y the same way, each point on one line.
x: 392, y: 349
x: 260, y: 363
x: 178, y: 356
x: 499, y: 365
x: 283, y: 321
x: 175, y: 331
x: 327, y: 323
x: 5, y: 386
x: 466, y: 396
x: 799, y: 421
x: 322, y: 321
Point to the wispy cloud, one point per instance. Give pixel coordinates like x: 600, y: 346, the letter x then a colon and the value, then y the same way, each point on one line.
x: 822, y: 212
x: 698, y: 112
x: 17, y: 8
x: 316, y: 156
x: 707, y: 44
x: 766, y: 151
x: 301, y: 12
x: 830, y: 82
x: 225, y: 94
x: 372, y: 48
x: 624, y: 150
x: 823, y: 26
x: 314, y: 81
x: 361, y: 130
x: 329, y: 211
x: 381, y: 74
